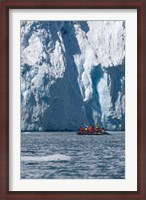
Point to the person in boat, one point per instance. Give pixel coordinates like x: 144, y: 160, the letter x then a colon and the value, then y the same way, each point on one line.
x: 86, y: 129
x: 81, y: 129
x: 91, y: 129
x: 97, y: 128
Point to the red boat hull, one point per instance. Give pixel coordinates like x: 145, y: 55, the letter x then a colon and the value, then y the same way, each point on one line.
x: 90, y: 133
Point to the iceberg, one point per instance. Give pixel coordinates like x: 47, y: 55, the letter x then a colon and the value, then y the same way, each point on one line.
x: 72, y: 75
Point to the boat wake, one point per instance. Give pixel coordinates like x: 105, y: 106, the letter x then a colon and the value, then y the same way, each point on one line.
x: 55, y: 157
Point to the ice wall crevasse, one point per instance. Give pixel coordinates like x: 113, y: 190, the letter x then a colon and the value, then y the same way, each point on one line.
x: 72, y: 74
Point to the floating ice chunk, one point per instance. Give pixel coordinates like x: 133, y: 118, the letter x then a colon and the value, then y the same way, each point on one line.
x: 55, y: 157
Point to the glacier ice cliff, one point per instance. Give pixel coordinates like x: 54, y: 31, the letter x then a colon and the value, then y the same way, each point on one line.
x: 72, y: 75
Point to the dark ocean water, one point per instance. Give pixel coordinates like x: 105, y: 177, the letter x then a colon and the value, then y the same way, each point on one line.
x: 65, y: 155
